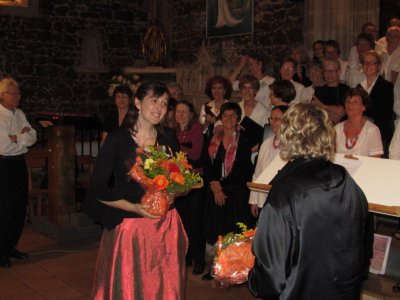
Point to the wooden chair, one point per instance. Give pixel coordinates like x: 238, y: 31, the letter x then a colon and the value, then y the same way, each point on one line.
x: 36, y: 159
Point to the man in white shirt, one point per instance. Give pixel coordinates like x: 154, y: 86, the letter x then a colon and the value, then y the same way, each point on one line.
x: 364, y: 43
x: 381, y: 44
x: 256, y: 66
x: 16, y: 134
x: 367, y: 28
x: 391, y: 55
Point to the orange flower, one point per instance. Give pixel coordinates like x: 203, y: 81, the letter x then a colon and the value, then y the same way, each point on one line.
x: 164, y: 164
x: 185, y: 163
x: 160, y: 182
x: 177, y: 177
x: 249, y: 233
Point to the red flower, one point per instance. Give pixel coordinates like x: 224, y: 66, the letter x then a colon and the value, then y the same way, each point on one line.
x: 160, y: 182
x: 173, y: 168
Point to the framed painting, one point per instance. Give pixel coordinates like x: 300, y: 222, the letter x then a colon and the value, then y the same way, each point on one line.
x: 23, y: 3
x: 229, y: 17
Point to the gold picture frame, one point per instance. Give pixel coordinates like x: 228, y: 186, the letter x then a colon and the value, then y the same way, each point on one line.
x: 227, y: 18
x: 22, y: 3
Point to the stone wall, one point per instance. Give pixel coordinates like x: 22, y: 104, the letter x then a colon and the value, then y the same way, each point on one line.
x: 277, y: 23
x: 44, y: 52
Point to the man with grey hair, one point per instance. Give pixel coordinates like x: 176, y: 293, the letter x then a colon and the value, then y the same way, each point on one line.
x: 16, y: 135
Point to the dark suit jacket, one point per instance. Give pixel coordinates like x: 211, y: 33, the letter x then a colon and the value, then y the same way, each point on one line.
x: 312, y: 239
x: 381, y: 108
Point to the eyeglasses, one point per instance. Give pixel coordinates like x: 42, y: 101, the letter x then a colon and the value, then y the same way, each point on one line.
x: 331, y: 71
x: 370, y: 63
x: 274, y: 119
x: 245, y: 87
x: 13, y: 94
x: 352, y: 101
x: 231, y: 116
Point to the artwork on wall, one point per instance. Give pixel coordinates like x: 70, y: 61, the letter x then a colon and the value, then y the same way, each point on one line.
x: 23, y: 3
x: 229, y: 17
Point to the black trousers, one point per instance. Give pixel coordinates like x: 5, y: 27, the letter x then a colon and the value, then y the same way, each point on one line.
x: 191, y: 211
x: 13, y: 201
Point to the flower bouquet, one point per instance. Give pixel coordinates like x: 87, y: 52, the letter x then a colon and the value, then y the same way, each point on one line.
x: 233, y: 259
x: 164, y: 177
x: 133, y: 81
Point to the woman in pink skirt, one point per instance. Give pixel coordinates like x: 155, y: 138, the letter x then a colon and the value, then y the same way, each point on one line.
x: 141, y: 256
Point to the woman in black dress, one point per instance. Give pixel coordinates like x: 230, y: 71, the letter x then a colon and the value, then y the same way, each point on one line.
x: 227, y: 170
x: 122, y: 96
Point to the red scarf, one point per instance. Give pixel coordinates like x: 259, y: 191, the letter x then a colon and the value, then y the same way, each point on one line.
x: 230, y: 154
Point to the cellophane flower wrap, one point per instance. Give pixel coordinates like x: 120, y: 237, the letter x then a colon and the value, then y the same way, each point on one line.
x: 164, y: 177
x: 233, y: 257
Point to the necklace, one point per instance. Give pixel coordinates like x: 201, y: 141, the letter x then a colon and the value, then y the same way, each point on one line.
x: 275, y: 143
x: 351, y: 142
x: 143, y: 140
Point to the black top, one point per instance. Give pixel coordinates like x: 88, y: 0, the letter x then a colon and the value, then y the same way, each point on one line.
x: 380, y: 110
x: 242, y: 168
x: 314, y: 237
x: 111, y: 121
x: 331, y: 95
x: 117, y: 155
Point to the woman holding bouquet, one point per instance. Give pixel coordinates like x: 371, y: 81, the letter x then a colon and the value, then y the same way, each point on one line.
x: 191, y: 206
x: 227, y: 170
x: 141, y: 256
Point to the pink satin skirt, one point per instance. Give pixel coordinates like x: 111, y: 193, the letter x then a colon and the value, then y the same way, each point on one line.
x: 142, y: 259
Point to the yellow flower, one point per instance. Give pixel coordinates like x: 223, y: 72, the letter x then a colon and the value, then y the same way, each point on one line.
x: 148, y: 163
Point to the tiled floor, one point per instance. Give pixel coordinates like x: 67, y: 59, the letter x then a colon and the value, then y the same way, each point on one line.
x: 57, y: 272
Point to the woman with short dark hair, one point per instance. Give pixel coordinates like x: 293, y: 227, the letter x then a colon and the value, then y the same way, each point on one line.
x: 357, y: 135
x: 122, y: 97
x: 219, y: 90
x: 227, y: 169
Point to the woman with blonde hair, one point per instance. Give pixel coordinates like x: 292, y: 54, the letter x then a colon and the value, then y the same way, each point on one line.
x: 381, y: 94
x: 312, y: 231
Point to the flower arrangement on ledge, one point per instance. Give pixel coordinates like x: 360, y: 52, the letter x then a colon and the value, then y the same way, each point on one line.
x: 164, y: 177
x: 233, y: 257
x: 131, y: 80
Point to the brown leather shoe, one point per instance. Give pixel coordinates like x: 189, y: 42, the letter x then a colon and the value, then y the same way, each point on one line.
x: 5, y: 261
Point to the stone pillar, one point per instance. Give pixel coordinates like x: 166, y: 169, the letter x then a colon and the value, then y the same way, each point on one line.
x: 61, y: 172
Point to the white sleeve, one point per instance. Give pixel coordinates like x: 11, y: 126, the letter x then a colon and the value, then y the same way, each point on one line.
x: 353, y: 56
x: 396, y: 104
x: 394, y: 148
x: 258, y: 197
x: 202, y: 116
x: 235, y: 85
x: 375, y: 146
x: 28, y: 138
x: 307, y: 94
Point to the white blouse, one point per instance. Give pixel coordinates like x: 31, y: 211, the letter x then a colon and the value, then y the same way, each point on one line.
x: 259, y: 114
x: 266, y: 155
x: 369, y: 141
x: 394, y: 148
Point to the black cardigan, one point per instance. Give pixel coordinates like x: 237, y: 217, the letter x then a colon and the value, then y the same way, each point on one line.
x: 116, y: 157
